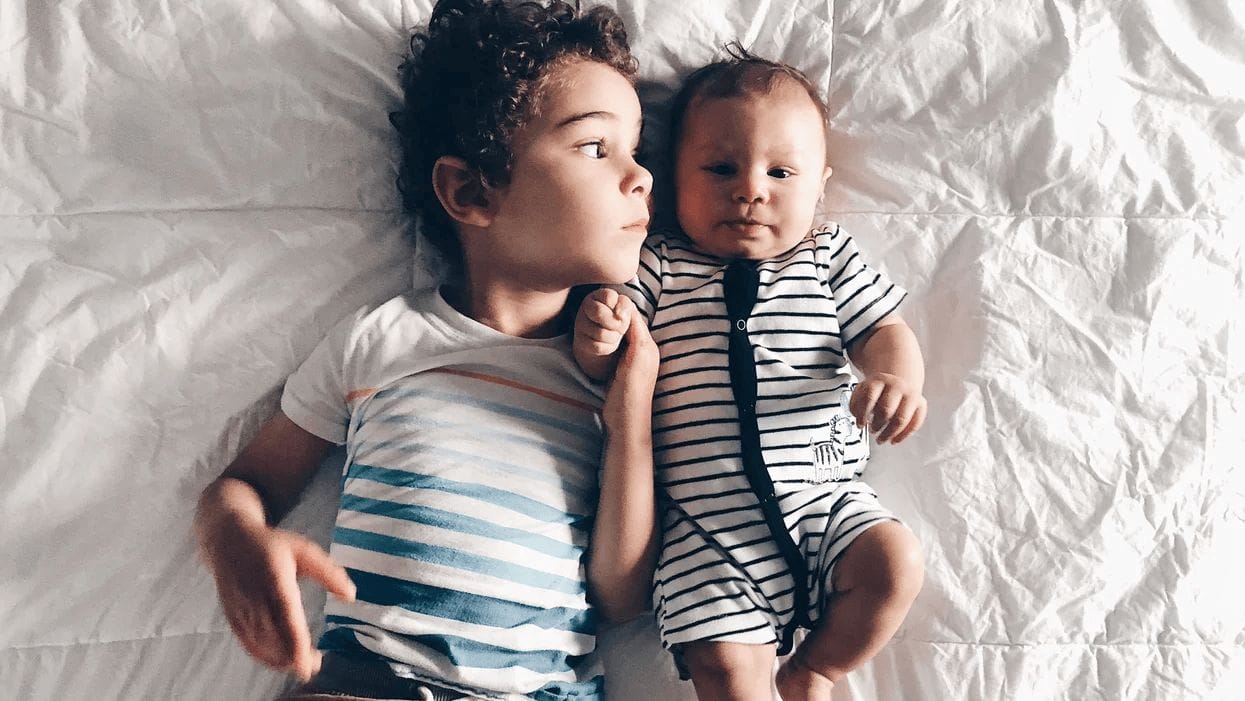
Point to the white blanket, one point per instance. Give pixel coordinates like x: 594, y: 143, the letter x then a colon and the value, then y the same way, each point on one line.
x: 192, y: 192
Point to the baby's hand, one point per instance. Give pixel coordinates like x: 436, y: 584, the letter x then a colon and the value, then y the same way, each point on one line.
x: 257, y: 573
x: 888, y: 406
x: 600, y: 326
x: 603, y: 319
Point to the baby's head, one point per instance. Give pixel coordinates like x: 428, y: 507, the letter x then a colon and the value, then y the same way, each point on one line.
x: 749, y: 144
x: 480, y: 85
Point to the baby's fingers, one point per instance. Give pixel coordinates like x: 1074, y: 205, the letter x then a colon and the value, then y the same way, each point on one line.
x: 888, y: 406
x: 918, y: 418
x: 897, y: 421
x: 612, y: 318
x: 864, y: 397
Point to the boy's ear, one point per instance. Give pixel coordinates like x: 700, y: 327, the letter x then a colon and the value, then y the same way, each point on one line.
x: 462, y: 192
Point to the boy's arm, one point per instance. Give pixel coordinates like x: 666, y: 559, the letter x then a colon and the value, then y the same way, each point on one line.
x: 255, y: 564
x: 623, y: 550
x: 889, y: 398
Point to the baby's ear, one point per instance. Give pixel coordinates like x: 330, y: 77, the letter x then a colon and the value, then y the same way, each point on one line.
x: 462, y: 192
x: 825, y: 175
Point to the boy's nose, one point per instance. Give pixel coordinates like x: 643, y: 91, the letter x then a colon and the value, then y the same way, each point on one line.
x: 640, y: 181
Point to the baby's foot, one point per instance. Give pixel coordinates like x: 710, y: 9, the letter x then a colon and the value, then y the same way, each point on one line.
x: 797, y: 682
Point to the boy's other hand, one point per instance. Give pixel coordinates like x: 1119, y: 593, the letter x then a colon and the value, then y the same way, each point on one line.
x: 888, y: 406
x: 258, y: 587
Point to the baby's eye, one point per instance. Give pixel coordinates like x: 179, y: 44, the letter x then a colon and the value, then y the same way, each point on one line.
x: 592, y: 149
x: 721, y: 169
x: 780, y: 173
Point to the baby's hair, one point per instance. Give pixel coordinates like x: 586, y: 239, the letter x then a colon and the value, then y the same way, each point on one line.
x: 738, y: 75
x: 472, y: 79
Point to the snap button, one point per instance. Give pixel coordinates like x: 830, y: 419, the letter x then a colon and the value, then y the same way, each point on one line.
x: 741, y: 325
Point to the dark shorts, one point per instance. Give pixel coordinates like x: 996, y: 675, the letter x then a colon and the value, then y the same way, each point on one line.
x: 345, y: 678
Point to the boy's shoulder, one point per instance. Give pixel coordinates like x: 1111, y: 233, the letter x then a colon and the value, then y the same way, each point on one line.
x: 416, y: 320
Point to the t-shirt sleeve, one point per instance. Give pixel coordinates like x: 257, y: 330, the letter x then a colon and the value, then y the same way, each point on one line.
x: 315, y: 395
x: 645, y: 288
x: 862, y: 295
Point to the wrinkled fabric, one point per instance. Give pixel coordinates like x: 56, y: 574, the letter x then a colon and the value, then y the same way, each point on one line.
x: 192, y: 193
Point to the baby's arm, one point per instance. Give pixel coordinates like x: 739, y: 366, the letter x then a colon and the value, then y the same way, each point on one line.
x: 600, y: 326
x: 255, y: 564
x: 623, y: 550
x: 888, y: 399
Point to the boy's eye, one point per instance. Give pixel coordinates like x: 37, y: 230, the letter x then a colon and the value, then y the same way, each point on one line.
x: 721, y: 169
x: 780, y: 173
x: 594, y: 149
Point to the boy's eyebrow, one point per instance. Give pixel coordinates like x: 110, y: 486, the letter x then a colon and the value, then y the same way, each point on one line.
x: 595, y: 114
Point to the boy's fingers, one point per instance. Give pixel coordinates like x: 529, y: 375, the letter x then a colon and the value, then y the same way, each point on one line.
x: 310, y: 560
x: 292, y: 632
x: 640, y: 352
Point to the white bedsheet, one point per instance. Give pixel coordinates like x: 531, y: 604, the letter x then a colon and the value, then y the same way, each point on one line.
x: 192, y: 192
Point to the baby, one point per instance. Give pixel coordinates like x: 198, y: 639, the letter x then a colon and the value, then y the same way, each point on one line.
x: 757, y: 417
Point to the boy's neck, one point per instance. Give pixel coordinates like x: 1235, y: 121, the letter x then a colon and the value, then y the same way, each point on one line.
x: 514, y: 311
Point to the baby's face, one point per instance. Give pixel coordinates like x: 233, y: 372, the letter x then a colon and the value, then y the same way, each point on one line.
x: 749, y: 172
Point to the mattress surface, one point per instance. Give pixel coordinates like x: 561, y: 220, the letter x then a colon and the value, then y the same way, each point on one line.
x: 192, y: 193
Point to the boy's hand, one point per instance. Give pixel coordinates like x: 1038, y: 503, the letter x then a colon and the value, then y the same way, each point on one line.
x: 631, y: 388
x: 888, y: 406
x: 257, y: 571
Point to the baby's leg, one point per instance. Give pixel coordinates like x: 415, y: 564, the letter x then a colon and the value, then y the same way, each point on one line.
x: 730, y: 671
x: 875, y: 582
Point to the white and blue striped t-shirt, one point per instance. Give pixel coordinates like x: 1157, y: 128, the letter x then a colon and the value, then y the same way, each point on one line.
x: 468, y: 497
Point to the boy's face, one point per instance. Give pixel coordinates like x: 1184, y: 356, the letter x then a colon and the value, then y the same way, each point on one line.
x: 749, y: 172
x: 576, y: 208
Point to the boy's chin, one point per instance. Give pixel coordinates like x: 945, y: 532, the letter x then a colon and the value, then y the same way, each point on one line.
x: 614, y: 276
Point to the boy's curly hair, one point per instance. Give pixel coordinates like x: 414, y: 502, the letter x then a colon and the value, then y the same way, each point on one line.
x: 472, y: 80
x: 740, y: 73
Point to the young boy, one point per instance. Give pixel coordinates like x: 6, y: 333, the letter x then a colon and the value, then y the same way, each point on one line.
x: 479, y: 534
x: 757, y: 415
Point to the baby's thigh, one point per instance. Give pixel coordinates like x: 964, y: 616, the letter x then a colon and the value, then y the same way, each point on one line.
x: 885, y: 558
x: 730, y: 670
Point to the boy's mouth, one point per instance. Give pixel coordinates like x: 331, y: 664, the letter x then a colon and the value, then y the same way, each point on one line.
x: 638, y: 225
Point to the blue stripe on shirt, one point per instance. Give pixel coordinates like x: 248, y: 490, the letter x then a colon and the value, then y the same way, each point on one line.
x: 457, y: 559
x: 491, y: 495
x: 462, y: 523
x: 466, y: 607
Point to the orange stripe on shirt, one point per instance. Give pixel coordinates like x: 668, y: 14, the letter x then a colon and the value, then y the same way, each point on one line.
x: 359, y: 393
x: 520, y: 386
